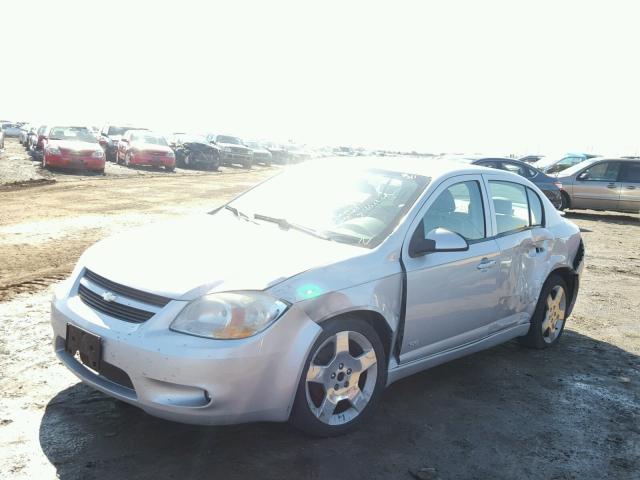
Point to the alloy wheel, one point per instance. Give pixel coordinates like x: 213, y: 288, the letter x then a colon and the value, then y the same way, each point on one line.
x: 341, y: 378
x: 554, y: 314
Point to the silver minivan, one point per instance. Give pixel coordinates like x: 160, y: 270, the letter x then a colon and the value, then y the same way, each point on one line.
x: 602, y: 184
x: 303, y: 298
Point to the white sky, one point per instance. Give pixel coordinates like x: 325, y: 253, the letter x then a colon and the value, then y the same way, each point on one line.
x: 492, y: 76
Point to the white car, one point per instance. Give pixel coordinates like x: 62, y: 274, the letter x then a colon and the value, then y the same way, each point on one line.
x: 307, y: 295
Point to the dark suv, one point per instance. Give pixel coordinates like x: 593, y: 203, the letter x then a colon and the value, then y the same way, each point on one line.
x: 109, y: 137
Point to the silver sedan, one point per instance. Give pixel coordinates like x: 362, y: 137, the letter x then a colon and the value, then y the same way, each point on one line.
x: 303, y: 298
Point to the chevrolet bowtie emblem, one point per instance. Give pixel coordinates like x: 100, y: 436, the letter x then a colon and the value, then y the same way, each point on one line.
x: 109, y: 297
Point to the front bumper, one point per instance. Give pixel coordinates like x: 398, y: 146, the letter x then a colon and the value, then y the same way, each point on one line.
x: 149, y: 159
x: 232, y: 157
x: 76, y: 161
x: 190, y: 379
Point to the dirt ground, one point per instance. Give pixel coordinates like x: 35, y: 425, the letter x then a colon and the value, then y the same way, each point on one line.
x: 571, y: 412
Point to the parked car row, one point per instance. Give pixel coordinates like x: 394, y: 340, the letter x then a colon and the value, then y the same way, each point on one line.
x: 134, y: 145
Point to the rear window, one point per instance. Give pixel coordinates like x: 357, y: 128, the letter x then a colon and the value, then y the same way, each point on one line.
x: 516, y: 207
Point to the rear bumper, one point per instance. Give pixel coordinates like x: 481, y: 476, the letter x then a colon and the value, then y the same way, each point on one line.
x: 190, y: 379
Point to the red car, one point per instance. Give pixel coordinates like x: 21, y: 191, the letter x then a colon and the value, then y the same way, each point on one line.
x: 142, y: 147
x: 72, y: 147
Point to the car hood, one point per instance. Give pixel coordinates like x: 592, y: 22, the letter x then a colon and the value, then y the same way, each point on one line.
x: 260, y: 150
x: 235, y: 145
x: 184, y: 259
x: 74, y: 145
x: 151, y: 147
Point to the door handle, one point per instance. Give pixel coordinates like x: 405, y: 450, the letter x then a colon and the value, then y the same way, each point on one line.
x: 485, y: 264
x: 630, y: 187
x: 611, y: 185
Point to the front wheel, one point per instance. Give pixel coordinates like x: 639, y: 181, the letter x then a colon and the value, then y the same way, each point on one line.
x: 550, y: 315
x: 565, y: 201
x: 341, y: 380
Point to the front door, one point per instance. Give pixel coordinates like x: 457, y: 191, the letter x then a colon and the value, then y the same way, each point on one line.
x: 451, y: 296
x: 597, y: 187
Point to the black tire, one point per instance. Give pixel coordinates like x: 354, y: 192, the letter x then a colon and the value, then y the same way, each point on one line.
x: 301, y: 415
x: 535, y: 337
x: 566, y: 200
x: 170, y: 168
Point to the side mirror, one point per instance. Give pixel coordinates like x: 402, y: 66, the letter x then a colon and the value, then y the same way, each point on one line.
x: 437, y: 240
x: 583, y: 176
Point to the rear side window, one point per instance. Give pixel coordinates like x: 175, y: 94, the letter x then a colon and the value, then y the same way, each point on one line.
x: 535, y: 208
x: 630, y: 172
x: 511, y: 206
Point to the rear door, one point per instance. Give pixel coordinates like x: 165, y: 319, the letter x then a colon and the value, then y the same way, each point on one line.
x: 524, y: 247
x: 597, y: 187
x: 629, y: 187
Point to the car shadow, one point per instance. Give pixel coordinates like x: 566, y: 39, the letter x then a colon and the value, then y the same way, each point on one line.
x: 617, y: 218
x: 570, y: 410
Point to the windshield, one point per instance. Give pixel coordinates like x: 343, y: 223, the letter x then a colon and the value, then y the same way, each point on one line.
x: 119, y: 130
x: 146, y: 137
x: 360, y: 206
x: 577, y: 167
x: 80, y: 134
x: 553, y: 159
x: 227, y: 139
x: 192, y: 138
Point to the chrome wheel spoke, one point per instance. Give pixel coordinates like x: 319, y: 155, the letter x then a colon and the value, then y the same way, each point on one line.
x: 316, y: 373
x: 358, y: 399
x: 366, y: 360
x: 546, y: 325
x: 342, y: 342
x: 326, y: 409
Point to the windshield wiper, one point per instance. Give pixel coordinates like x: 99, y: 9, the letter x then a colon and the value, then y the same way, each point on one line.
x: 238, y: 213
x: 286, y: 225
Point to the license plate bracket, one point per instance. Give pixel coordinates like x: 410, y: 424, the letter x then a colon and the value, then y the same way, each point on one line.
x: 87, y: 344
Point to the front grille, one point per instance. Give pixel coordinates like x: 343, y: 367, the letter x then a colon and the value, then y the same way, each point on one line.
x: 115, y: 374
x: 129, y: 292
x: 114, y: 309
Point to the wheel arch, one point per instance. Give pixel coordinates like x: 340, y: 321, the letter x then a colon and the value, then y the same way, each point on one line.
x: 571, y: 278
x: 377, y: 321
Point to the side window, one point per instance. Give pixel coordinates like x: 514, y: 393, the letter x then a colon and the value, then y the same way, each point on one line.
x: 488, y: 163
x: 601, y: 172
x: 630, y: 172
x: 510, y: 204
x: 458, y: 209
x: 535, y: 208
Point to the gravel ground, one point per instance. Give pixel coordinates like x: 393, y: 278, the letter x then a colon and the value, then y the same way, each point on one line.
x: 571, y: 412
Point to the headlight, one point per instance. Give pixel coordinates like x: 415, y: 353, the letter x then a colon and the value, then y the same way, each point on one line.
x: 229, y: 315
x: 97, y: 154
x: 53, y: 150
x: 170, y: 154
